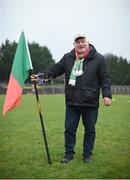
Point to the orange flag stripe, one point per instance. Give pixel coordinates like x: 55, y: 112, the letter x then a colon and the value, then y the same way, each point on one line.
x: 13, y: 95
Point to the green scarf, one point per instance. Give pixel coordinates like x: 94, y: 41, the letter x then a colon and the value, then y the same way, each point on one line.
x: 77, y: 70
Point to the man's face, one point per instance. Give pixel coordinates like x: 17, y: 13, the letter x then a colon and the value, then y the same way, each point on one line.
x: 80, y: 45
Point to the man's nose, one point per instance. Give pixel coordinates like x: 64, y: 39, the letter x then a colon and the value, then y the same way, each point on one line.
x: 80, y: 43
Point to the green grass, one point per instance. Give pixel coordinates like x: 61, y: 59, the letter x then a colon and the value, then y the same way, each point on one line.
x: 22, y: 152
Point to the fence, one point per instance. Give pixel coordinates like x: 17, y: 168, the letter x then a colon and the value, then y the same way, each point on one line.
x: 121, y: 89
x: 59, y: 89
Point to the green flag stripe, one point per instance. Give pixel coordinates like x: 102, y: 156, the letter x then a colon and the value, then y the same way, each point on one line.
x: 21, y: 63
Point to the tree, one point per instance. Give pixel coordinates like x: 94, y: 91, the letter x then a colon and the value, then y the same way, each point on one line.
x: 40, y: 55
x: 119, y: 69
x: 6, y: 59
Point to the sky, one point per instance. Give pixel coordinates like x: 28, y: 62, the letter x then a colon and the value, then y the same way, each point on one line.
x: 54, y: 23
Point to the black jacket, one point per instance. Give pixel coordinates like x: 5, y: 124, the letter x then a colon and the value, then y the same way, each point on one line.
x: 87, y: 89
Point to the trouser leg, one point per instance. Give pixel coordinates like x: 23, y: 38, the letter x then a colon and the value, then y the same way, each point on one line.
x: 89, y: 118
x: 71, y: 123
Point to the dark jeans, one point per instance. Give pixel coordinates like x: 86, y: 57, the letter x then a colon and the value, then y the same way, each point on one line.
x: 89, y: 118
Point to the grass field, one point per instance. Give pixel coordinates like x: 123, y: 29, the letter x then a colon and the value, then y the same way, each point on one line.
x: 22, y: 152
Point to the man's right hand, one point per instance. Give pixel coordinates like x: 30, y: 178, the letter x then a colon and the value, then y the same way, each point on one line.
x: 34, y: 78
x: 40, y: 78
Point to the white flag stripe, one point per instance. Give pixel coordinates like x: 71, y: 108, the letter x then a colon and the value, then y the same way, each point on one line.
x: 28, y: 54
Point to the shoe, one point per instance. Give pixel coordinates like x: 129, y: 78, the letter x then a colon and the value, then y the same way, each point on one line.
x: 88, y: 159
x: 66, y: 160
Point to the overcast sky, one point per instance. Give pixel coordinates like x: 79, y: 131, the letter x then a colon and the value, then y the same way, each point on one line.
x: 55, y: 23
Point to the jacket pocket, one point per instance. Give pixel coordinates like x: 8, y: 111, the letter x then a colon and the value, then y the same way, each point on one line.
x: 69, y: 93
x: 88, y: 93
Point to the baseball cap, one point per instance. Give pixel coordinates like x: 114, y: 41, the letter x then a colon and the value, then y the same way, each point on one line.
x: 79, y: 36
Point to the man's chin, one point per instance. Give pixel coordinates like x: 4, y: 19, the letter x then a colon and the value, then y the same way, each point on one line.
x: 81, y: 51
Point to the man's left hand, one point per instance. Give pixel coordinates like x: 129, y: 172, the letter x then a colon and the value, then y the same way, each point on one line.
x: 107, y: 101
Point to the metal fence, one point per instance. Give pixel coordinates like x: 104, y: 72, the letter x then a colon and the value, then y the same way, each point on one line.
x: 54, y: 89
x: 121, y: 89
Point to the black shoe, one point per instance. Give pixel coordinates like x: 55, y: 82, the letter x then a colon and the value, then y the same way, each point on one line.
x: 66, y: 160
x: 87, y: 159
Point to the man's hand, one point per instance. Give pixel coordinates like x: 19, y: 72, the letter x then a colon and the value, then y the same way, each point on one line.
x: 107, y: 101
x: 34, y: 78
x: 40, y: 78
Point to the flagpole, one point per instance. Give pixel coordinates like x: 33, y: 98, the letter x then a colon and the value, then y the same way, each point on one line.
x: 42, y: 124
x: 39, y: 108
x: 41, y: 120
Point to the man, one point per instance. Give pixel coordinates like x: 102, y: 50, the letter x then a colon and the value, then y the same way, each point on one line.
x: 85, y: 73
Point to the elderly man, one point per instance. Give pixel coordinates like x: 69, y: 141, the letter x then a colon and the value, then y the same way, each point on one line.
x: 85, y: 73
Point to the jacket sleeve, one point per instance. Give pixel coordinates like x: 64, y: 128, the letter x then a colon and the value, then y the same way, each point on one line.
x: 104, y: 78
x: 56, y: 69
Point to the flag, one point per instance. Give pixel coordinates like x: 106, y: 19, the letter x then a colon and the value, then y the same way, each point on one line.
x: 19, y: 73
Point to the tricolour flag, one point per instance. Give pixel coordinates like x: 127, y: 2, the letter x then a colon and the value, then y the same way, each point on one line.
x: 19, y: 73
